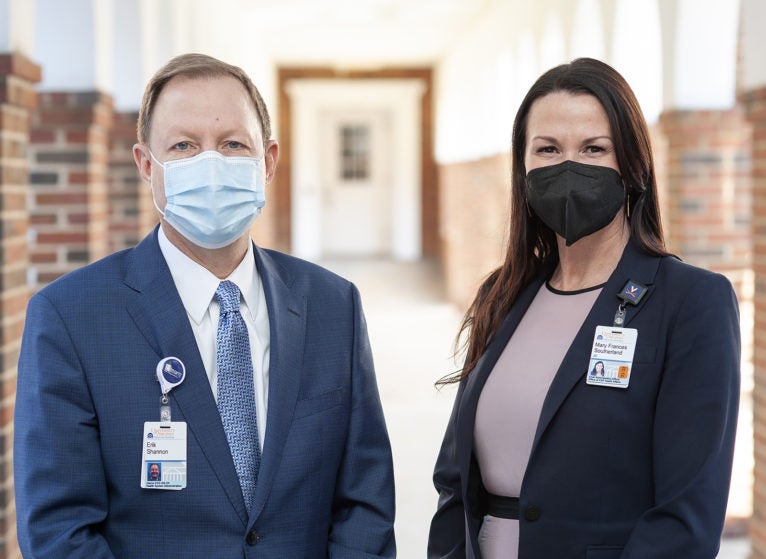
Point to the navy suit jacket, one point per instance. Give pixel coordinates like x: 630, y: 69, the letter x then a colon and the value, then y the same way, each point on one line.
x: 86, y: 386
x: 639, y: 473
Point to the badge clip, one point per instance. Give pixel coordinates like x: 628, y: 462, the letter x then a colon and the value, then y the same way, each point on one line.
x: 631, y: 294
x: 170, y: 373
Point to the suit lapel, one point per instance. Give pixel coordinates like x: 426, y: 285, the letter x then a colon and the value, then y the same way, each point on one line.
x: 633, y: 265
x: 478, y: 377
x: 287, y: 310
x: 159, y: 314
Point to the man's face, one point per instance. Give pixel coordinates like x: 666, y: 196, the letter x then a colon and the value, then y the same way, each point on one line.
x: 154, y: 471
x: 196, y: 115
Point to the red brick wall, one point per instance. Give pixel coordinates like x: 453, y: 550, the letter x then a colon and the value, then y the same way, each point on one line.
x: 131, y: 211
x: 755, y: 103
x: 17, y: 98
x: 473, y: 222
x: 68, y: 198
x: 707, y: 189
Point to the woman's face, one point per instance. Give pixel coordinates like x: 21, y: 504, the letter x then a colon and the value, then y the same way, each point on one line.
x: 562, y: 126
x: 599, y: 367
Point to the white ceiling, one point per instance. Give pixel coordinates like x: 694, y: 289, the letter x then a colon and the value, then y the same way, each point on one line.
x: 348, y: 33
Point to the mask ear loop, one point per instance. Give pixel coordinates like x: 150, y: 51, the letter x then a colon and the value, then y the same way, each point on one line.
x: 151, y: 184
x: 627, y: 199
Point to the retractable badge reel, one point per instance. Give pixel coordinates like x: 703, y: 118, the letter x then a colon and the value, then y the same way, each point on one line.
x: 163, y: 464
x: 611, y: 358
x: 170, y: 373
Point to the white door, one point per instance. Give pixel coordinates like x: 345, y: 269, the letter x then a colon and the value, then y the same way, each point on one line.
x: 355, y: 179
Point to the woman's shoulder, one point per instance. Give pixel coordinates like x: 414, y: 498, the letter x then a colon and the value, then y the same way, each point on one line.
x: 683, y: 277
x: 675, y: 266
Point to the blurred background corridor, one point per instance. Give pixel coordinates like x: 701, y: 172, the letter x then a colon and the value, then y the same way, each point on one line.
x: 394, y: 121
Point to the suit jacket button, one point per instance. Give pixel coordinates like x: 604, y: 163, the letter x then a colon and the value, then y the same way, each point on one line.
x: 532, y: 513
x: 253, y: 537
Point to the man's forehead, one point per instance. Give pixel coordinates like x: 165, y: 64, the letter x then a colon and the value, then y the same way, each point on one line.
x: 184, y: 87
x: 183, y: 93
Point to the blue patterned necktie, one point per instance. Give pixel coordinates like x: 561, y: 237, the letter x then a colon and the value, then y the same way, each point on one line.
x: 236, y: 394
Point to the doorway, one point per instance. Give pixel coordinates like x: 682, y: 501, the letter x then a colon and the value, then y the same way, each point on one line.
x: 355, y: 168
x: 355, y: 183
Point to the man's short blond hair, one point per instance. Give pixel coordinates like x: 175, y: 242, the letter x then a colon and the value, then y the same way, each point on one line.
x: 196, y: 66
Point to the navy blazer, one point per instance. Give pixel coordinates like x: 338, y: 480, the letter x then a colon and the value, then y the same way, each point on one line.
x: 86, y: 386
x: 641, y: 472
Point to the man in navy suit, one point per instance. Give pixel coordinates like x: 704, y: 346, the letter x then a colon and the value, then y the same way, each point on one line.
x: 290, y: 459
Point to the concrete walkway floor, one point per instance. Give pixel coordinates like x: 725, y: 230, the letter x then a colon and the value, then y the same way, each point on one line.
x: 412, y: 330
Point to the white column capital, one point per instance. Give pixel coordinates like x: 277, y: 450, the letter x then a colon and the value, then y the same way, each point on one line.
x: 17, y: 26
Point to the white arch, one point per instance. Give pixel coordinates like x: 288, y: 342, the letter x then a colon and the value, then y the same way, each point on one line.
x: 73, y: 43
x: 17, y: 26
x: 588, y: 31
x: 753, y: 74
x: 528, y: 65
x: 552, y: 41
x: 701, y: 49
x: 128, y: 56
x: 637, y: 52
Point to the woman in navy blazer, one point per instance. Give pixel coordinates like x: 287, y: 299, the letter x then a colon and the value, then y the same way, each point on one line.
x: 639, y: 468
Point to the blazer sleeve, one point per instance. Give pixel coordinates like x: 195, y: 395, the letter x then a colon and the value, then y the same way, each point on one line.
x: 363, y: 507
x: 61, y: 493
x: 446, y: 539
x: 694, y: 428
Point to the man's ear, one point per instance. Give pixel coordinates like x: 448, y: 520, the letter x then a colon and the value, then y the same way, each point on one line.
x: 271, y: 156
x: 143, y: 162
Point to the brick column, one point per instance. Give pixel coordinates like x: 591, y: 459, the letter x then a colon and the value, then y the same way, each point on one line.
x: 474, y: 210
x: 707, y: 196
x: 755, y: 103
x: 131, y: 211
x: 708, y: 187
x: 17, y: 98
x: 68, y: 201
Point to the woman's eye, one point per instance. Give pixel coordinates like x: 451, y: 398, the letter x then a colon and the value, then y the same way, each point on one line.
x: 546, y: 149
x: 182, y: 146
x: 594, y: 149
x: 234, y: 145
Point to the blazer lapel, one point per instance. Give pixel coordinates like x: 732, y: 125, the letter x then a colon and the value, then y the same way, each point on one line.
x: 478, y: 377
x: 159, y: 314
x: 634, y: 265
x: 287, y: 310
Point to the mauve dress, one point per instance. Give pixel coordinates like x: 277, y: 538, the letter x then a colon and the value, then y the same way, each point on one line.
x: 512, y: 398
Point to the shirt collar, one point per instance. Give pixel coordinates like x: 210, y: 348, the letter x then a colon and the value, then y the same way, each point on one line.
x: 196, y: 284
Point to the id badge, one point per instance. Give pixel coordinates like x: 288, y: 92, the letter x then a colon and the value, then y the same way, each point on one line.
x: 163, y: 462
x: 611, y: 359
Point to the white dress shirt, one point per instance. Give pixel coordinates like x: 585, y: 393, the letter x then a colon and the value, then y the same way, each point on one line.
x: 196, y: 286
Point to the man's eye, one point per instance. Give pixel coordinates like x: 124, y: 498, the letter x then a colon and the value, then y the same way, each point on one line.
x: 234, y: 145
x: 182, y: 146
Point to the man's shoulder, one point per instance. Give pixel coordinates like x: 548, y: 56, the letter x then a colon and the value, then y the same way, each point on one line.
x: 91, y: 278
x: 109, y: 271
x: 296, y: 271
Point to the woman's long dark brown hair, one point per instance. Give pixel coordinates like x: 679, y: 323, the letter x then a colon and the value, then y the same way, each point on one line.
x: 531, y: 244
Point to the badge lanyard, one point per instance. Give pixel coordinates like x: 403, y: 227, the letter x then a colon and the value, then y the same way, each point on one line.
x: 613, y: 348
x: 163, y: 464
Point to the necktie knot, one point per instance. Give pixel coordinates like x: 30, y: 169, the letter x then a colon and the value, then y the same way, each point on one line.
x: 228, y: 296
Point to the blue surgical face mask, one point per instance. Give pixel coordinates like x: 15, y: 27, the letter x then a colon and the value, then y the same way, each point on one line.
x: 212, y: 200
